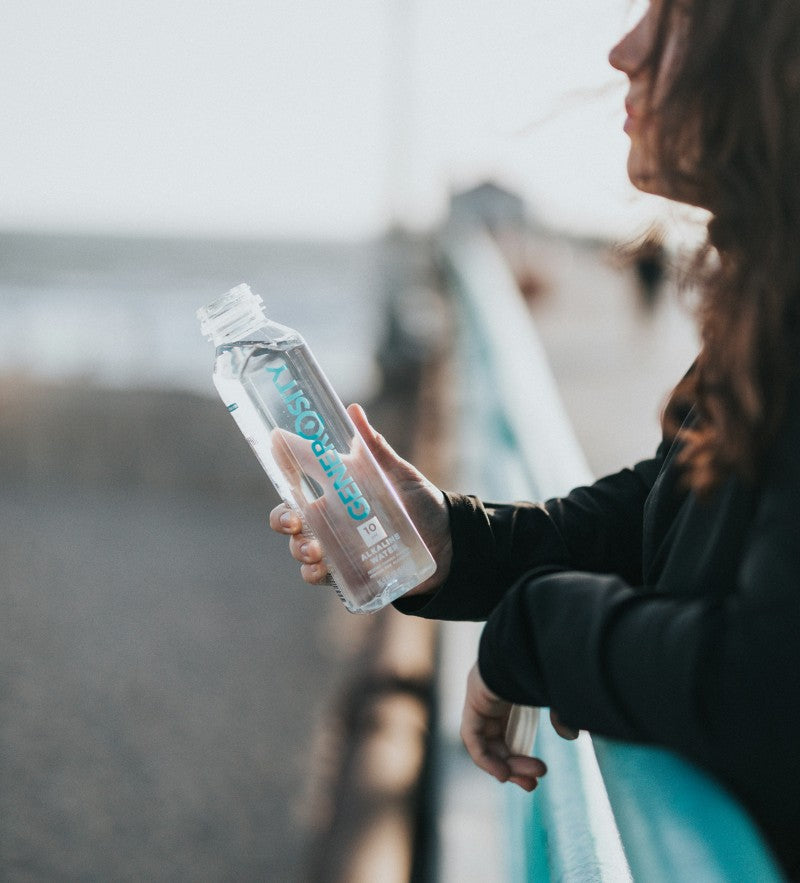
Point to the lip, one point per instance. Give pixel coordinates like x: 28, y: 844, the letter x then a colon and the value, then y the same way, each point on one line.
x: 630, y: 120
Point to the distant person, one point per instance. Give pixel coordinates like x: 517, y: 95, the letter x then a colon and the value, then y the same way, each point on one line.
x: 649, y: 264
x: 662, y: 604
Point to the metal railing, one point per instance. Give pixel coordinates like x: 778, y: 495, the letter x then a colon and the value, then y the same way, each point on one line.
x: 606, y: 811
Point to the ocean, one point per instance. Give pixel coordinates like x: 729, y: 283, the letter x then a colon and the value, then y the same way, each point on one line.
x: 120, y: 311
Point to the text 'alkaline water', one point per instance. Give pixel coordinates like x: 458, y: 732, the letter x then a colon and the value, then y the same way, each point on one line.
x: 312, y: 452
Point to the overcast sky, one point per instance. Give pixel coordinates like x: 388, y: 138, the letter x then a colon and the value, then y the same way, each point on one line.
x: 307, y: 117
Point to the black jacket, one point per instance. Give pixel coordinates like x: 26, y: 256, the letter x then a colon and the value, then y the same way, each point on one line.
x: 640, y: 613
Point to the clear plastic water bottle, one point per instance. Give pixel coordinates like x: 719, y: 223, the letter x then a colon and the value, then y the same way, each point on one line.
x: 303, y: 437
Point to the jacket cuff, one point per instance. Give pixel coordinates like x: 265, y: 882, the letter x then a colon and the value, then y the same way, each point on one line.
x: 467, y: 592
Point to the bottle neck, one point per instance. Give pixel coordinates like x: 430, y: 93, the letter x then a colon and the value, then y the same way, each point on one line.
x: 237, y: 315
x: 264, y: 331
x: 250, y: 328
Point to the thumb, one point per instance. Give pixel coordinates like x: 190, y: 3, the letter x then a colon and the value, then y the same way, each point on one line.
x: 381, y: 450
x: 561, y: 728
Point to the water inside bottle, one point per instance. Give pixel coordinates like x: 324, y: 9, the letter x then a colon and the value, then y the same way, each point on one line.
x: 322, y: 467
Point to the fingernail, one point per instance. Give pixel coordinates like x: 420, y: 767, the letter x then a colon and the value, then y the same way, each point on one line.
x: 286, y: 519
x: 304, y: 549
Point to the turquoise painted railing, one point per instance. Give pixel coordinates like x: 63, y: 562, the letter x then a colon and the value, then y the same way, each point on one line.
x: 606, y: 811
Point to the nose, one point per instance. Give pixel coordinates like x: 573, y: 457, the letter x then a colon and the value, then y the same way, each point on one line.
x: 616, y: 57
x: 627, y: 56
x: 619, y: 57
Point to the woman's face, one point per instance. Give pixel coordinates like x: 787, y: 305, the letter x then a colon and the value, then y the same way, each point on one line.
x: 646, y: 89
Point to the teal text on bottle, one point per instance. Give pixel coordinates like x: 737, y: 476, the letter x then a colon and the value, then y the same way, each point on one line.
x: 309, y: 425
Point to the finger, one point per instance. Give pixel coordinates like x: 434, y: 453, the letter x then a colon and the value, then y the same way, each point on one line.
x: 380, y: 448
x: 562, y: 729
x: 305, y: 550
x: 294, y: 458
x: 526, y: 771
x: 489, y: 762
x: 526, y: 767
x: 487, y: 752
x: 362, y: 424
x: 284, y: 520
x: 314, y: 574
x: 524, y: 783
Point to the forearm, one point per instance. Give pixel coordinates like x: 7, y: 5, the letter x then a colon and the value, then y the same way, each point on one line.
x: 610, y: 658
x: 492, y: 546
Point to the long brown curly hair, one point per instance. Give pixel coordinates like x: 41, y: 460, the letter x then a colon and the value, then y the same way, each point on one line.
x: 729, y: 127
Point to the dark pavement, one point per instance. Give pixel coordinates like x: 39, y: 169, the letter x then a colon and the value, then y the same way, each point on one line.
x: 166, y: 677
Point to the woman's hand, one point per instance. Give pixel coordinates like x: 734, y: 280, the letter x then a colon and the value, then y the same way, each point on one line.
x: 483, y: 731
x: 422, y: 500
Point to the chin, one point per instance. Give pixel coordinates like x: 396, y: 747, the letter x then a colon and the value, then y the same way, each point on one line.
x: 645, y: 175
x: 645, y: 182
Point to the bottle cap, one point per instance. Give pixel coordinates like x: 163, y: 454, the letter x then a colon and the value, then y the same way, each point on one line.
x: 232, y: 316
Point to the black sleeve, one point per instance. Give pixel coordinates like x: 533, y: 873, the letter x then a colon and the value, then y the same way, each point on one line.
x: 716, y: 678
x: 602, y: 524
x: 598, y: 528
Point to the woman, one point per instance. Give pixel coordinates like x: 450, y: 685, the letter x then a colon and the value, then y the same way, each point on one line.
x: 662, y: 604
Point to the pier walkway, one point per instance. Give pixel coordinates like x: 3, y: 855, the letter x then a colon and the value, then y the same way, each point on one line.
x: 607, y: 811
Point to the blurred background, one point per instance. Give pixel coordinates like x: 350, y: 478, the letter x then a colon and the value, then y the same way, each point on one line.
x: 176, y: 704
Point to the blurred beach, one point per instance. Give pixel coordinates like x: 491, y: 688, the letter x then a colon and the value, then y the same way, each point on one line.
x: 120, y: 311
x: 171, y: 689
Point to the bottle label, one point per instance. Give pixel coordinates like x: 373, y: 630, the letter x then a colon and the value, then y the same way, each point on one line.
x: 372, y: 531
x: 310, y: 426
x: 384, y: 557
